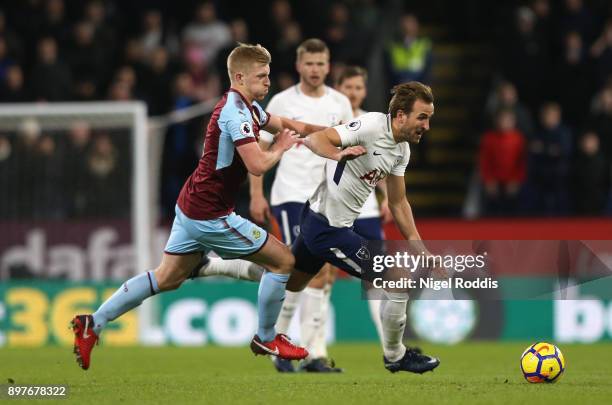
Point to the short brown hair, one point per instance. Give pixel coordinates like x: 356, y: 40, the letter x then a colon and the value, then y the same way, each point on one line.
x: 352, y: 71
x: 405, y: 94
x: 244, y: 55
x: 312, y: 45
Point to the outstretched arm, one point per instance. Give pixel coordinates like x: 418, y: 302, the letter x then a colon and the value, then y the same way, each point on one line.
x: 277, y: 123
x: 326, y: 143
x: 385, y: 213
x: 402, y: 213
x: 258, y: 161
x: 400, y: 208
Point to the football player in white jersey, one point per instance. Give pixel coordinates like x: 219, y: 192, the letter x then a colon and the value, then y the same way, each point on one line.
x: 296, y: 178
x: 364, y: 151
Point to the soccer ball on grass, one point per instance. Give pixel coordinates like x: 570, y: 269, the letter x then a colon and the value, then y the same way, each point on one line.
x: 542, y: 362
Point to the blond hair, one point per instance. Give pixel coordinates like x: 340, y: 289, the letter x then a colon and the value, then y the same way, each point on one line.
x: 312, y: 45
x: 244, y: 56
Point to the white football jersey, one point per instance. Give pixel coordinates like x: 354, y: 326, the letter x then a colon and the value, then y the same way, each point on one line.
x: 347, y: 185
x: 300, y: 171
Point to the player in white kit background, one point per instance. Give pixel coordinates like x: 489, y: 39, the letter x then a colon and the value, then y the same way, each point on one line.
x: 297, y: 176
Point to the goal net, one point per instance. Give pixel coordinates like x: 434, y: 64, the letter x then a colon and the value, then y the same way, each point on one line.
x: 74, y: 191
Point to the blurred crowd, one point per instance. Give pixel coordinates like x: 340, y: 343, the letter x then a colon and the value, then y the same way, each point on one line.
x: 548, y: 149
x: 164, y: 53
x: 55, y: 175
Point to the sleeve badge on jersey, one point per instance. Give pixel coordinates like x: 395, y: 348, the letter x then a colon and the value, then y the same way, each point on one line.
x: 354, y: 125
x: 246, y: 129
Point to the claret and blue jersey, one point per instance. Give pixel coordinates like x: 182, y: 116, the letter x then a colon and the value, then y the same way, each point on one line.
x: 210, y: 192
x: 204, y: 214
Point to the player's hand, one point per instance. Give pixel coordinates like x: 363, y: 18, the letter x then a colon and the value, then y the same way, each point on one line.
x: 286, y: 139
x: 259, y: 209
x: 385, y: 212
x: 351, y: 153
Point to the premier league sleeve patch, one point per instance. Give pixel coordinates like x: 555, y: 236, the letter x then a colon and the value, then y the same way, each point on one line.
x: 246, y: 129
x: 353, y: 125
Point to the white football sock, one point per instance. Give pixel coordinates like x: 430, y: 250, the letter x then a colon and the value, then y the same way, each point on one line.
x: 393, y: 313
x: 310, y: 316
x: 292, y: 300
x: 238, y: 269
x: 375, y: 313
x: 319, y: 345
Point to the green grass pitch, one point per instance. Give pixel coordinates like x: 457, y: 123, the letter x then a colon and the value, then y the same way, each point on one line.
x: 471, y: 373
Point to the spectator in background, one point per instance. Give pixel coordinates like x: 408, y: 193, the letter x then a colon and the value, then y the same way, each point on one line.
x: 590, y: 176
x: 600, y: 121
x: 544, y: 22
x: 503, y: 165
x: 47, y: 185
x: 5, y: 60
x: 550, y: 150
x: 240, y: 33
x: 285, y: 47
x: 75, y: 168
x: 13, y: 89
x: 54, y: 22
x: 14, y: 43
x: 127, y: 75
x: 345, y: 43
x: 281, y: 15
x: 527, y: 46
x: 181, y: 152
x: 408, y: 57
x: 155, y: 35
x: 206, y: 83
x: 86, y: 58
x: 576, y: 17
x: 104, y: 27
x: 205, y: 36
x: 366, y: 15
x: 156, y: 81
x: 601, y: 51
x: 573, y: 78
x: 506, y: 97
x: 106, y: 190
x: 25, y: 153
x: 50, y: 78
x: 133, y: 55
x: 120, y: 91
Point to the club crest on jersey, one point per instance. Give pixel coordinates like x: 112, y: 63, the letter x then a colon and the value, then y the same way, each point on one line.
x: 363, y: 253
x: 256, y: 234
x: 373, y: 177
x: 246, y: 129
x: 354, y: 125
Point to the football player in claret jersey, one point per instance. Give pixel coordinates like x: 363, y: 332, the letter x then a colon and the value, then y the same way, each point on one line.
x: 205, y: 218
x: 371, y: 147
